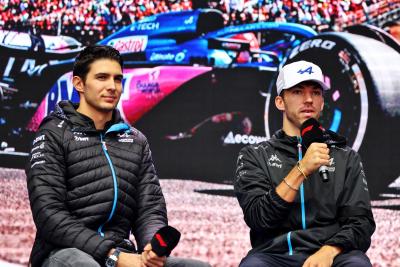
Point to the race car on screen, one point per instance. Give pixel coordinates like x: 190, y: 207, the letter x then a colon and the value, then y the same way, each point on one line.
x: 200, y: 91
x: 155, y: 50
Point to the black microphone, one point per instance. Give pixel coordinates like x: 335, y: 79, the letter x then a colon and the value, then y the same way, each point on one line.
x: 311, y: 131
x: 165, y: 240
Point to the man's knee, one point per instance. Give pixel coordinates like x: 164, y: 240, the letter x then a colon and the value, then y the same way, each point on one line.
x: 354, y: 258
x: 271, y: 260
x: 183, y: 262
x: 70, y: 257
x: 253, y: 260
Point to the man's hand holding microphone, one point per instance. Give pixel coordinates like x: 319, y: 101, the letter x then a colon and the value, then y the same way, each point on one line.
x: 316, y: 157
x: 154, y: 254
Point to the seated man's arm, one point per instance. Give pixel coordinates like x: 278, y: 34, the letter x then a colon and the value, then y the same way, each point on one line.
x: 47, y: 194
x: 263, y: 208
x: 354, y: 212
x: 151, y: 207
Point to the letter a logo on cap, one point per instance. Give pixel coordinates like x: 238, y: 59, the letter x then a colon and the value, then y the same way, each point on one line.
x: 293, y: 73
x: 309, y: 70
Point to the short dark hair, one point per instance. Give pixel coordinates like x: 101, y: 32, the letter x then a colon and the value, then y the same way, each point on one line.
x: 92, y: 53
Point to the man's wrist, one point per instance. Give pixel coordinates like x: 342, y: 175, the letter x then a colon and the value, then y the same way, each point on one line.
x: 332, y: 250
x: 112, y: 259
x: 110, y: 252
x: 302, y: 171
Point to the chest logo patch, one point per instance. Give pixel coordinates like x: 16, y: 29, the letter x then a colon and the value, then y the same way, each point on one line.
x: 81, y: 139
x: 274, y: 161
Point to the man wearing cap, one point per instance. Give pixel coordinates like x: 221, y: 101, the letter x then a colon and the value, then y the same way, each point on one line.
x: 295, y: 218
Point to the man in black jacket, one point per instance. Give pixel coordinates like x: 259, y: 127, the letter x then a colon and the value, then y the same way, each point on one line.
x: 91, y: 178
x: 295, y: 218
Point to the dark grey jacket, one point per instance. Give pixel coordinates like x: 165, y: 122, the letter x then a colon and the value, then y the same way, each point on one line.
x: 89, y: 189
x: 334, y: 213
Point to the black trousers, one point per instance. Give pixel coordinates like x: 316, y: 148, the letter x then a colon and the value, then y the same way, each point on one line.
x: 354, y: 258
x: 72, y: 257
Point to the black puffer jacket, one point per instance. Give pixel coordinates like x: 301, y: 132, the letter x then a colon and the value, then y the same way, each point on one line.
x: 337, y: 212
x: 88, y: 189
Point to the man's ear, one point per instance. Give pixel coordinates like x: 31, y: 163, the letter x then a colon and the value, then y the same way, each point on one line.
x: 279, y: 103
x: 78, y: 84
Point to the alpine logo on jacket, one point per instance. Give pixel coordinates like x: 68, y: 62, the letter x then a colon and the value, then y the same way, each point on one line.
x: 125, y: 138
x: 274, y: 161
x: 80, y: 137
x: 60, y: 125
x: 331, y: 167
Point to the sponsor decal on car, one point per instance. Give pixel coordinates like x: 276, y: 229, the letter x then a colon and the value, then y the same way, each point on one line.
x: 136, y: 43
x: 147, y: 86
x: 151, y: 85
x: 145, y: 26
x: 29, y: 66
x: 179, y: 57
x: 161, y: 57
x: 325, y: 44
x: 243, y: 139
x: 189, y: 20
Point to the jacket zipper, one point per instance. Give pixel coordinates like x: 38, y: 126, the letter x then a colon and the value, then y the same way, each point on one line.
x: 303, y: 208
x: 104, y: 147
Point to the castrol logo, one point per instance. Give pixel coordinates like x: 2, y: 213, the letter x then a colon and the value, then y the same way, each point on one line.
x: 131, y: 44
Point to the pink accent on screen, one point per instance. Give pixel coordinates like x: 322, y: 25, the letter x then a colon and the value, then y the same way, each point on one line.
x: 144, y: 88
x: 336, y: 95
x: 33, y: 125
x: 149, y: 86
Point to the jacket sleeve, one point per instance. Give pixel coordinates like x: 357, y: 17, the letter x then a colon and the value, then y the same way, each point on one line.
x: 47, y: 195
x: 354, y: 211
x: 263, y: 208
x: 152, y: 212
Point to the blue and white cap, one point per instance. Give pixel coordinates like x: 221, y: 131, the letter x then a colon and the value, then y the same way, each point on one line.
x: 297, y: 72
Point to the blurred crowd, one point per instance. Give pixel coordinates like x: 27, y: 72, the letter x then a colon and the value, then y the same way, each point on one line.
x: 89, y: 20
x: 320, y: 14
x: 86, y: 20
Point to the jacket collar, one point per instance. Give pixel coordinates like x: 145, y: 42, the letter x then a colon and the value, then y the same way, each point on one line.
x: 283, y: 141
x: 280, y: 140
x: 66, y: 110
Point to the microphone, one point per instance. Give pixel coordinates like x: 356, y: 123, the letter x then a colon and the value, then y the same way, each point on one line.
x: 165, y: 240
x: 311, y: 131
